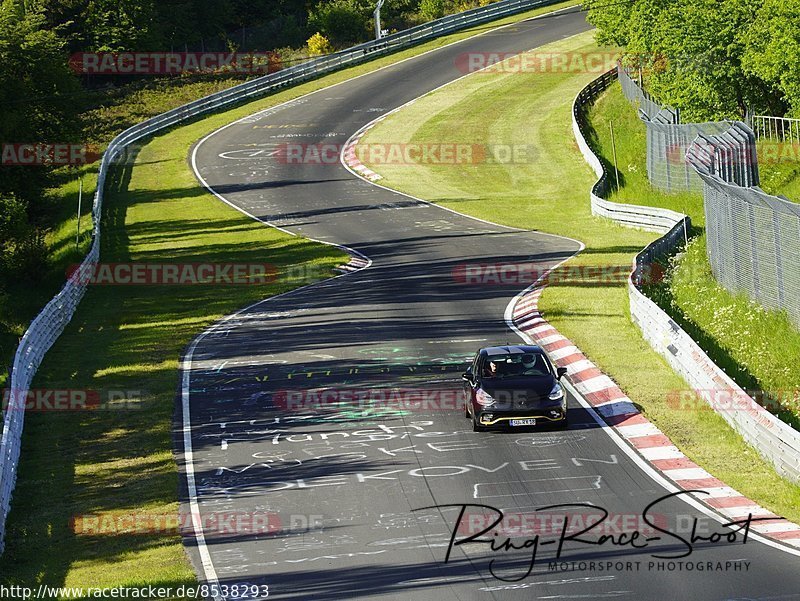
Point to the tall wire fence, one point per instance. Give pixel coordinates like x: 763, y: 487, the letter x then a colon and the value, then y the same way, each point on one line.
x: 752, y: 238
x: 668, y: 140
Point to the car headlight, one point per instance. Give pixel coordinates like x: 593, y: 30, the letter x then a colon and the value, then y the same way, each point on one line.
x: 556, y: 393
x: 483, y: 398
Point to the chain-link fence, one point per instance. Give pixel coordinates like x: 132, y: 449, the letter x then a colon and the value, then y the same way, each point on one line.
x: 752, y: 238
x: 668, y: 140
x: 775, y: 440
x: 639, y: 97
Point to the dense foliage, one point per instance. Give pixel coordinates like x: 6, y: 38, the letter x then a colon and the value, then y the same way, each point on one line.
x: 711, y: 58
x: 45, y: 102
x: 37, y: 96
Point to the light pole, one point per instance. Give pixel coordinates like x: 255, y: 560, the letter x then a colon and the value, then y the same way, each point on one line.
x: 377, y: 15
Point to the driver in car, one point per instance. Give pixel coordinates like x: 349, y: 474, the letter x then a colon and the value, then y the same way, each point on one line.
x: 529, y: 364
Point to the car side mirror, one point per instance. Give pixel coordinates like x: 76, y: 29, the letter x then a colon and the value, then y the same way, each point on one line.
x: 467, y: 376
x: 561, y: 371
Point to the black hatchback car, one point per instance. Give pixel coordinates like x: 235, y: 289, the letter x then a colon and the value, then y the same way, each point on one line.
x: 514, y: 386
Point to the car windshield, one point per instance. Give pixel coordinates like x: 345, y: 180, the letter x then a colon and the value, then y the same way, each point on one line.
x: 522, y: 364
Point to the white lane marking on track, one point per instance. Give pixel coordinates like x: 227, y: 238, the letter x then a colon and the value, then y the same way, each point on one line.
x: 547, y: 441
x: 655, y: 453
x: 632, y: 454
x: 205, y: 556
x: 636, y: 430
x: 523, y: 585
x: 608, y: 595
x: 688, y: 473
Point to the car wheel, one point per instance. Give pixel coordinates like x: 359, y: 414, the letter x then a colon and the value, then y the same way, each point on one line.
x: 467, y: 414
x: 476, y: 427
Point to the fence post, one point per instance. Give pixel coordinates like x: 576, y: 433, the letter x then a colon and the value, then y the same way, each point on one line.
x: 614, y: 151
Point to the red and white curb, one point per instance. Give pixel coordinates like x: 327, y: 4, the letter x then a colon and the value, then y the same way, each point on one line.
x: 355, y: 263
x: 619, y: 412
x: 352, y: 161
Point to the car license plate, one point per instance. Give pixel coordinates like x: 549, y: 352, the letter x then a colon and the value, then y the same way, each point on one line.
x: 523, y: 422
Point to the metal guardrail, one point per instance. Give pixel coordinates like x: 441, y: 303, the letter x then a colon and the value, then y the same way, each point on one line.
x: 775, y: 440
x: 50, y: 323
x: 776, y: 129
x: 640, y: 217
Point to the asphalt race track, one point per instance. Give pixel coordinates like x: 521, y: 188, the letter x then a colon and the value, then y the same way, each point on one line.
x: 339, y: 485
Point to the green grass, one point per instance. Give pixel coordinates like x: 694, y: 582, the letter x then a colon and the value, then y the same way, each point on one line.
x: 550, y: 193
x: 111, y: 463
x: 108, y: 113
x: 22, y: 299
x: 613, y: 109
x: 759, y: 348
x: 130, y: 338
x: 779, y: 168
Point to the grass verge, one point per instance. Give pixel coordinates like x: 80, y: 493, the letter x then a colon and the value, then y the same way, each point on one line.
x: 549, y: 192
x: 116, y: 464
x: 108, y: 113
x: 779, y: 168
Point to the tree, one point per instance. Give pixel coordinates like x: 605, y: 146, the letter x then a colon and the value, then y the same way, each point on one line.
x: 343, y: 22
x: 119, y: 25
x: 39, y: 98
x: 694, y: 48
x: 773, y: 51
x: 432, y: 9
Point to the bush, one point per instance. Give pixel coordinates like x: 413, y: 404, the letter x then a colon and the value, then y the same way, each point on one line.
x: 343, y: 22
x: 318, y: 44
x: 30, y: 259
x: 432, y: 9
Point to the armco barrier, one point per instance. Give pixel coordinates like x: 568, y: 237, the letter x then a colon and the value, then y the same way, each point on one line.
x: 640, y: 217
x: 775, y: 440
x: 48, y: 325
